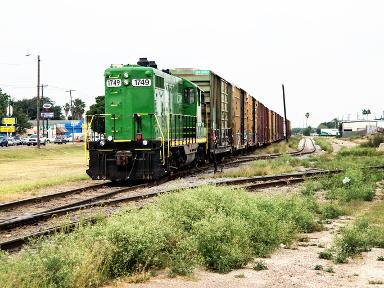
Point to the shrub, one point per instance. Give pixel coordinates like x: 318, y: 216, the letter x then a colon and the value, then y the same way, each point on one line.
x: 224, y: 242
x: 326, y: 254
x: 217, y: 227
x: 331, y: 211
x: 374, y: 141
x: 259, y: 265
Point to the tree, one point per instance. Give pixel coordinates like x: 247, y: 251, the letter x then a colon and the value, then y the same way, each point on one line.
x: 98, y: 108
x: 327, y: 125
x: 306, y: 120
x: 28, y: 106
x: 366, y: 112
x: 78, y: 109
x: 18, y: 113
x: 4, y: 98
x: 22, y: 120
x: 307, y: 131
x: 66, y: 108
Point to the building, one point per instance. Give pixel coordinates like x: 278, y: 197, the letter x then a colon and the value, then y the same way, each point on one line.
x: 359, y: 127
x: 59, y: 127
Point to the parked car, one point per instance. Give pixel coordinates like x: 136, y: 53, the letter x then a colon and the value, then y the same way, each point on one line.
x: 24, y: 140
x: 33, y: 140
x: 51, y: 139
x: 60, y: 139
x: 3, y: 142
x: 11, y: 141
x: 17, y: 140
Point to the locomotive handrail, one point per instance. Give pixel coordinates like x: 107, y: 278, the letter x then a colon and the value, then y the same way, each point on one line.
x: 162, y: 136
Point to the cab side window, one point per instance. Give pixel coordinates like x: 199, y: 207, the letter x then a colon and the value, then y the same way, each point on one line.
x: 189, y: 95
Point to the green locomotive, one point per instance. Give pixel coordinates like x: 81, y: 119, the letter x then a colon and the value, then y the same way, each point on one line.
x: 153, y: 122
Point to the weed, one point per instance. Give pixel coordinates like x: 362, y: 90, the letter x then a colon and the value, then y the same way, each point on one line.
x: 363, y: 235
x: 326, y: 254
x: 259, y: 265
x: 380, y: 258
x: 318, y: 267
x: 331, y: 211
x: 374, y: 141
x: 329, y: 270
x: 240, y: 275
x: 324, y: 144
x: 376, y: 282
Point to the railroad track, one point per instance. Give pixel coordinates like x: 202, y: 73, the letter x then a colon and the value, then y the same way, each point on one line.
x: 109, y: 198
x: 251, y: 183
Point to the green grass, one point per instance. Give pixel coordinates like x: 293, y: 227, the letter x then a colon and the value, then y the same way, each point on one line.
x: 27, y: 169
x: 365, y: 233
x: 353, y: 161
x: 324, y: 144
x: 217, y: 228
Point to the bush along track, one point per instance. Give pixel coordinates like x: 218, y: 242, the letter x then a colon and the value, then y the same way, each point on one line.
x: 355, y: 183
x: 217, y: 228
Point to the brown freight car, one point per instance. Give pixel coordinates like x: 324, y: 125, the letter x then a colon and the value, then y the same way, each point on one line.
x: 236, y: 120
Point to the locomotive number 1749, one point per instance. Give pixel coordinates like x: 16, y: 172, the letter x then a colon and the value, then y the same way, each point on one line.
x: 141, y: 82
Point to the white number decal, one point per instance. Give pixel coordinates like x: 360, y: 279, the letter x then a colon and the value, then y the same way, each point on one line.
x: 141, y: 82
x: 113, y: 83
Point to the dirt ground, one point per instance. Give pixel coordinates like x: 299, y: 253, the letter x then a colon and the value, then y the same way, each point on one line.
x: 337, y: 144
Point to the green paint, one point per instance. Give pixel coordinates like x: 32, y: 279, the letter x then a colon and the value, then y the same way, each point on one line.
x: 167, y: 95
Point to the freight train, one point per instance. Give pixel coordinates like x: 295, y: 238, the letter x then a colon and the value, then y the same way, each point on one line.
x: 156, y: 121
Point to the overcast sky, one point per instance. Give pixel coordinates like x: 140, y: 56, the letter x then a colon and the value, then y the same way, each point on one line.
x: 329, y: 54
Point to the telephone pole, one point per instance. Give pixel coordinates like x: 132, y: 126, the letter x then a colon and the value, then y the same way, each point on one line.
x: 285, y: 116
x: 72, y: 124
x: 38, y: 102
x: 42, y: 98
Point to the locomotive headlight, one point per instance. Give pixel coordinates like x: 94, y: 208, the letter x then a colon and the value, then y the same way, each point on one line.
x: 126, y: 82
x: 125, y: 74
x: 109, y: 138
x: 145, y: 142
x: 102, y: 142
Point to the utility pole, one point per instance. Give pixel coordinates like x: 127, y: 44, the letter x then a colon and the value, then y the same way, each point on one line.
x: 72, y: 124
x: 38, y: 102
x: 42, y: 98
x: 285, y: 115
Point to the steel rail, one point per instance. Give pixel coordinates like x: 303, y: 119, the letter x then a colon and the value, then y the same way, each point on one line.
x: 18, y: 203
x: 36, y: 217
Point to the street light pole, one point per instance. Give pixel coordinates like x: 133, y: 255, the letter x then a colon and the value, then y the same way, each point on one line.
x: 72, y: 124
x: 38, y: 102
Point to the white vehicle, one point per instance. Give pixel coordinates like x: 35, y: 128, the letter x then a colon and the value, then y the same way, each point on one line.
x: 33, y: 140
x: 51, y: 139
x: 24, y: 140
x: 11, y: 142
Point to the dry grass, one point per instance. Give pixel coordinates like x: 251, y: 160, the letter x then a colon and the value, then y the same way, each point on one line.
x: 27, y: 169
x: 280, y: 147
x: 279, y: 165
